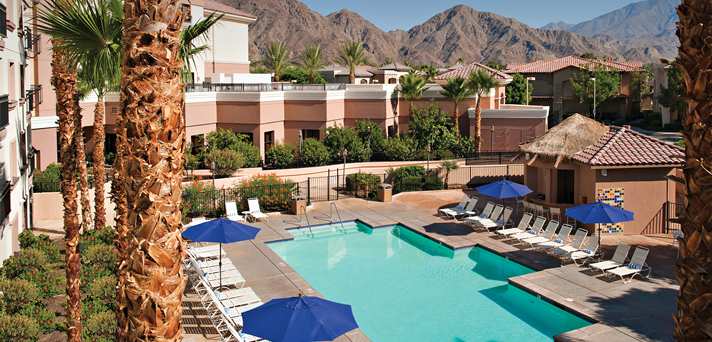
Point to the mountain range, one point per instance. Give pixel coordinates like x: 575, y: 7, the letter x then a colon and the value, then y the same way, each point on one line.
x: 634, y: 32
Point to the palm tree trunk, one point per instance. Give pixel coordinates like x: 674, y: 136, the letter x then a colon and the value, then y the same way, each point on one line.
x: 352, y: 74
x: 82, y: 165
x: 693, y: 320
x: 98, y: 161
x: 118, y: 194
x: 478, y: 126
x: 64, y: 82
x: 457, y: 120
x: 152, y: 102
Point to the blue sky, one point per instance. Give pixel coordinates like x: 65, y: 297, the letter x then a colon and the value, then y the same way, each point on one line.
x: 403, y: 14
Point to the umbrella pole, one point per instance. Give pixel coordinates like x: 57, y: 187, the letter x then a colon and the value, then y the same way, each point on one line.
x: 599, y: 235
x: 220, y: 265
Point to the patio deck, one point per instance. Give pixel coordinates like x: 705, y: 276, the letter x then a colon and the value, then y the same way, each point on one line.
x: 640, y: 311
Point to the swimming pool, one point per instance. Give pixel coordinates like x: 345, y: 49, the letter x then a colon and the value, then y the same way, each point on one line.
x: 405, y: 287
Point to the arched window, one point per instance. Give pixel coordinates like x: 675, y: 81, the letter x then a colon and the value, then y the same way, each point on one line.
x: 364, y: 81
x: 392, y: 81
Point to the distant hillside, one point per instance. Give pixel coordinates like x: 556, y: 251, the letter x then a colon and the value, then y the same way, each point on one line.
x: 459, y: 32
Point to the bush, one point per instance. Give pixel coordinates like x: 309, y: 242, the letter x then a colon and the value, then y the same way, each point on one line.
x: 399, y: 149
x: 339, y: 138
x: 444, y: 154
x: 47, y: 180
x: 432, y: 182
x: 371, y: 135
x: 100, y: 327
x: 411, y: 183
x: 201, y: 199
x: 464, y: 147
x: 225, y: 162
x: 103, y: 236
x: 280, y: 157
x: 314, y: 153
x: 250, y: 154
x: 224, y: 139
x: 28, y: 264
x: 41, y: 243
x: 399, y: 177
x: 17, y: 294
x: 98, y: 261
x: 273, y: 192
x: 18, y: 328
x: 103, y: 290
x: 363, y: 184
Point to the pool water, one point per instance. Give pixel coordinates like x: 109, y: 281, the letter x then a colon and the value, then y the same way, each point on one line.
x: 403, y: 286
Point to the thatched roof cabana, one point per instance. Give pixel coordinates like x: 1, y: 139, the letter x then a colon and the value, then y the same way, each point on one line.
x: 567, y: 138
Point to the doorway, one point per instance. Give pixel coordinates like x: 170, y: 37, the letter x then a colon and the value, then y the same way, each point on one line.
x: 565, y: 186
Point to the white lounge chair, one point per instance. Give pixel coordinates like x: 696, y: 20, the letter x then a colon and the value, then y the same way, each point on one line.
x: 635, y: 267
x: 459, y: 207
x: 196, y: 220
x: 255, y: 212
x: 486, y: 212
x: 455, y: 214
x: 560, y: 239
x: 618, y: 259
x: 545, y: 236
x: 575, y: 244
x: 533, y: 231
x: 521, y: 227
x: 231, y: 212
x: 587, y: 251
x: 478, y: 221
x: 503, y: 220
x: 206, y: 252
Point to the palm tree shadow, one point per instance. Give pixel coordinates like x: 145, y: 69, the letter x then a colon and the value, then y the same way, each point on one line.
x: 449, y: 229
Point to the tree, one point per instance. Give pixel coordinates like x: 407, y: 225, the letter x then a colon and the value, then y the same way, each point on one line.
x: 371, y: 135
x: 301, y: 76
x: 344, y: 139
x: 312, y: 61
x: 480, y: 82
x: 151, y: 297
x: 495, y: 64
x: 457, y: 91
x: 81, y: 164
x: 429, y: 72
x: 672, y: 95
x: 432, y: 128
x: 352, y: 54
x: 277, y: 59
x: 693, y: 318
x: 224, y: 163
x: 412, y: 87
x: 189, y: 47
x: 448, y: 166
x: 607, y: 85
x: 517, y: 90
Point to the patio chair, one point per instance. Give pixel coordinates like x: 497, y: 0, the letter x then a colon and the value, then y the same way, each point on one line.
x: 533, y: 231
x: 255, y: 212
x: 196, y: 220
x: 490, y: 220
x: 562, y: 236
x: 214, y: 279
x: 206, y: 252
x: 493, y: 222
x: 486, y: 212
x: 459, y: 207
x: 587, y: 251
x: 545, y: 236
x: 469, y: 207
x: 635, y: 267
x: 231, y: 212
x: 618, y: 259
x: 521, y: 227
x: 575, y: 244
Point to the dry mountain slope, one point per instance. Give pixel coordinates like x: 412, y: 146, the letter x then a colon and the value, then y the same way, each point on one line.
x: 459, y: 32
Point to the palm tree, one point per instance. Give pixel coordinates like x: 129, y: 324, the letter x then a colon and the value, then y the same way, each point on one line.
x: 81, y: 163
x: 152, y: 107
x: 412, y: 86
x: 312, y: 61
x: 352, y: 55
x: 429, y: 72
x: 693, y: 319
x: 188, y: 46
x: 457, y: 91
x: 480, y: 83
x: 277, y: 59
x: 448, y: 166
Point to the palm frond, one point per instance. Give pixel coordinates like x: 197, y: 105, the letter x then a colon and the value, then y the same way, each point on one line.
x: 191, y: 34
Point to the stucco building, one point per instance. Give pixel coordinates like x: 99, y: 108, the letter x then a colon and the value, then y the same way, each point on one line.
x: 582, y: 161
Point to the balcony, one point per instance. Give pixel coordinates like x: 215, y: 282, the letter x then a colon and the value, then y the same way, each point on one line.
x: 4, y: 112
x: 260, y: 87
x: 33, y: 97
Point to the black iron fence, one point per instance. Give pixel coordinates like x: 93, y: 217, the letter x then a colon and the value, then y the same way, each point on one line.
x: 259, y: 87
x: 665, y: 221
x: 503, y: 157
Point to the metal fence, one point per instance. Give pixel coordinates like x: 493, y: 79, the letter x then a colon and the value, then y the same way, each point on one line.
x: 500, y: 158
x: 665, y: 222
x: 260, y: 87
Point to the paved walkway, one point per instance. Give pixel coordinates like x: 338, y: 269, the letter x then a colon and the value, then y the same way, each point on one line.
x: 640, y: 311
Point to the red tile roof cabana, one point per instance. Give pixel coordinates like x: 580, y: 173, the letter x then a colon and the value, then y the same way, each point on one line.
x: 582, y: 161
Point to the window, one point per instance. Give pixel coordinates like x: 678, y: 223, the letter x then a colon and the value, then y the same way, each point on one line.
x: 364, y: 81
x: 197, y: 144
x: 310, y: 134
x: 269, y: 140
x: 392, y: 81
x: 391, y: 131
x: 3, y: 23
x: 4, y: 111
x: 4, y: 195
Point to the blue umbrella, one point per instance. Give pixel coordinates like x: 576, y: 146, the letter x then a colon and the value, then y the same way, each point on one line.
x: 599, y: 212
x: 504, y: 189
x: 220, y: 230
x: 299, y: 319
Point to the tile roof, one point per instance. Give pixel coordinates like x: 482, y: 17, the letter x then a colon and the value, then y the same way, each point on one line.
x: 338, y: 69
x: 622, y: 146
x: 465, y: 71
x: 553, y: 65
x: 218, y: 6
x: 395, y: 66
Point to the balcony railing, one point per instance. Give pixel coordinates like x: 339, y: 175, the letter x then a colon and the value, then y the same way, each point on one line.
x: 4, y: 111
x: 260, y: 87
x: 34, y: 97
x: 3, y: 23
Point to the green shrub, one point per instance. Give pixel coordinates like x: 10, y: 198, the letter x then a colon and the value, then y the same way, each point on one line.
x: 399, y: 149
x: 17, y: 294
x: 191, y: 160
x: 47, y: 320
x: 339, y: 138
x: 224, y: 139
x: 225, y: 162
x: 464, y: 147
x: 47, y: 180
x: 250, y: 154
x: 27, y: 239
x: 280, y: 157
x: 399, y: 177
x: 371, y: 135
x: 410, y: 183
x: 18, y: 328
x: 432, y: 182
x: 103, y: 290
x: 26, y: 264
x: 98, y: 261
x: 100, y: 327
x: 273, y: 192
x: 201, y: 199
x: 314, y: 153
x: 363, y: 184
x: 41, y: 243
x: 444, y: 154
